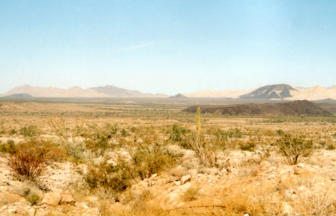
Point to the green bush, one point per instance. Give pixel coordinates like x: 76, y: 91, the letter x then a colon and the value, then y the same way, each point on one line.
x: 8, y: 147
x: 29, y: 131
x: 149, y: 160
x: 294, y: 149
x: 177, y: 133
x: 114, y: 179
x: 33, y: 199
x: 247, y: 147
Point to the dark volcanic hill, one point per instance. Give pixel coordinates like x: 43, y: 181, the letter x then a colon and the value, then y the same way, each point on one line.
x: 271, y: 92
x: 288, y: 108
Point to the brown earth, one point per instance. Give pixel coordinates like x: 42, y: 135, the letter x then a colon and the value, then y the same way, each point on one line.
x: 288, y: 108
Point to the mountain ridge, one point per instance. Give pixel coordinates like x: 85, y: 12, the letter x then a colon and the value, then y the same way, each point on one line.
x: 269, y: 92
x: 76, y: 91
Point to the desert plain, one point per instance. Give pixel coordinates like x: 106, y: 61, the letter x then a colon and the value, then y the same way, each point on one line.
x: 133, y: 156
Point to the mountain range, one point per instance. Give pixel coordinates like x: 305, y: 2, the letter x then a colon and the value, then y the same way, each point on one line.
x: 77, y: 92
x: 269, y: 92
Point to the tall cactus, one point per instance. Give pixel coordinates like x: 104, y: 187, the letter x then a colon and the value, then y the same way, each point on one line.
x: 198, y: 125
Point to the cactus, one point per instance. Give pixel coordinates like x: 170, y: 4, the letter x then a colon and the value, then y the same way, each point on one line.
x: 198, y: 125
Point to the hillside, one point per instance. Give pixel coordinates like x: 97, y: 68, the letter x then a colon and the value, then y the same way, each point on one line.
x: 288, y: 108
x: 271, y: 92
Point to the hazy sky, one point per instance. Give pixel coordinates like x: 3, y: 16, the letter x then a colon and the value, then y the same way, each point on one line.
x: 167, y: 46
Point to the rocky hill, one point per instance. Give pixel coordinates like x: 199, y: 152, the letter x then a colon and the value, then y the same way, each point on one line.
x: 271, y: 92
x: 288, y: 108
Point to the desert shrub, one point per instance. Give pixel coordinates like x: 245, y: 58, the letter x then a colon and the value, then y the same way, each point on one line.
x: 65, y: 134
x: 29, y: 131
x: 75, y: 151
x: 28, y: 161
x: 149, y: 160
x: 27, y: 164
x: 113, y: 129
x: 330, y: 147
x: 141, y: 200
x: 30, y: 191
x: 145, y: 162
x: 12, y: 132
x: 99, y: 142
x: 33, y: 199
x: 294, y: 149
x: 247, y: 147
x: 112, y: 178
x: 177, y: 133
x: 190, y: 194
x: 280, y: 132
x: 8, y: 147
x: 124, y: 133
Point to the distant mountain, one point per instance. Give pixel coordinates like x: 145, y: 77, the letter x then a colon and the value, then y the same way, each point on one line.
x: 332, y: 87
x: 315, y: 93
x: 107, y: 91
x: 229, y: 93
x: 19, y: 96
x: 178, y: 96
x: 271, y: 92
x: 113, y: 91
x: 286, y: 108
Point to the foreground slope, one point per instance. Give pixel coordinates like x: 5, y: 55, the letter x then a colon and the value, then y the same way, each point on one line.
x: 288, y: 108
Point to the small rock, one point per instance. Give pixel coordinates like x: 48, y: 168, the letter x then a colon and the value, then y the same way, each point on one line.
x: 180, y: 205
x: 185, y: 178
x: 286, y: 208
x: 265, y: 163
x: 67, y: 199
x: 52, y: 198
x: 81, y: 205
x: 177, y: 183
x: 153, y: 176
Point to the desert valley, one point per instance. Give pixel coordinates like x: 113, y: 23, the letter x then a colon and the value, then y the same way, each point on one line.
x: 260, y: 154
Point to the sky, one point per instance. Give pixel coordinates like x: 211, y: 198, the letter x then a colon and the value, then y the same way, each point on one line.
x: 167, y: 46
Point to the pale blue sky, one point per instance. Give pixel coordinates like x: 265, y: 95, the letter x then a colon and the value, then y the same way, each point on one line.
x: 167, y: 46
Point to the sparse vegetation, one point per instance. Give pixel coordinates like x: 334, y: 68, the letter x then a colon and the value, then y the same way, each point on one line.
x: 135, y: 160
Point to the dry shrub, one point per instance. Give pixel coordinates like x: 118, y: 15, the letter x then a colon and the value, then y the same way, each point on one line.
x: 28, y: 162
x: 294, y: 149
x: 113, y: 179
x: 149, y: 160
x: 251, y: 199
x: 190, y: 194
x: 316, y: 198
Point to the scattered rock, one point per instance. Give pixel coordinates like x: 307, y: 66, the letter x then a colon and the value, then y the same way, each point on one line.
x: 265, y: 163
x: 185, y: 178
x: 51, y: 198
x: 67, y: 199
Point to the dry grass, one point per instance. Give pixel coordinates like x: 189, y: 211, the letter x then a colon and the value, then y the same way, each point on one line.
x: 147, y: 133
